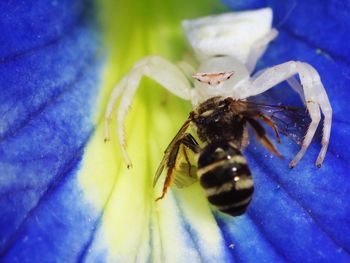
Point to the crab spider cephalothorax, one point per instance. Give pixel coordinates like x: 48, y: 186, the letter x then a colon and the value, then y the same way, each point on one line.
x: 227, y: 47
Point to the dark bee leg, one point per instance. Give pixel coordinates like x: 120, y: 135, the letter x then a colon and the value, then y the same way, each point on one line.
x: 261, y: 134
x: 187, y: 160
x: 167, y: 183
x: 270, y: 123
x: 190, y: 143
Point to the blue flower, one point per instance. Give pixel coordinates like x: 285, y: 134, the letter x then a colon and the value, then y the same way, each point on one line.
x: 65, y: 196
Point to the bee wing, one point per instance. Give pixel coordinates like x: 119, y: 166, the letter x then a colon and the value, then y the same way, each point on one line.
x: 185, y: 172
x: 160, y: 169
x: 170, y: 150
x: 183, y: 177
x: 290, y: 121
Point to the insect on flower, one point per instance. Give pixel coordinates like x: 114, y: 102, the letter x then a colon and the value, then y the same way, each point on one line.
x: 209, y: 145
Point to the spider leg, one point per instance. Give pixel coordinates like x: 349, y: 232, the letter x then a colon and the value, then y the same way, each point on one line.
x: 296, y: 86
x: 187, y: 69
x: 159, y: 69
x: 319, y: 96
x: 109, y: 110
x: 258, y: 49
x: 191, y: 144
x: 316, y: 100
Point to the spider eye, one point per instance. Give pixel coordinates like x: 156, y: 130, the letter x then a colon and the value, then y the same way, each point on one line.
x: 213, y: 78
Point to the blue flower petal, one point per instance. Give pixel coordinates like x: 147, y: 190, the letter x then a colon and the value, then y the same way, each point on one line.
x: 301, y: 215
x: 26, y: 27
x: 321, y: 24
x: 49, y: 71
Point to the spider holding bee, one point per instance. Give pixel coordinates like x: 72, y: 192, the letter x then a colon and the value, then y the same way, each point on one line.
x: 227, y: 47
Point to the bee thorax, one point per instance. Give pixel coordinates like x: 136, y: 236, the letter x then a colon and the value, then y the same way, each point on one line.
x: 216, y: 121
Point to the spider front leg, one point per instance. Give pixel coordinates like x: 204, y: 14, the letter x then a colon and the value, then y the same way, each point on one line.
x: 315, y: 99
x: 157, y: 68
x: 258, y: 48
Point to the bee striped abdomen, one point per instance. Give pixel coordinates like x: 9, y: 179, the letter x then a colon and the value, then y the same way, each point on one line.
x: 225, y: 176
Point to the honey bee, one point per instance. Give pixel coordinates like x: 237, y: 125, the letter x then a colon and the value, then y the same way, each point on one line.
x: 220, y: 124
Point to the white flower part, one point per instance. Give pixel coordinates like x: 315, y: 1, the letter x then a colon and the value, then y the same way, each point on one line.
x: 231, y: 34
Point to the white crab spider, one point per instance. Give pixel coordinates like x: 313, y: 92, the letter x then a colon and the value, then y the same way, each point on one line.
x: 227, y: 47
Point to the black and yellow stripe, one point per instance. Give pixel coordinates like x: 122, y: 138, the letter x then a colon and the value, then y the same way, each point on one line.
x: 225, y: 176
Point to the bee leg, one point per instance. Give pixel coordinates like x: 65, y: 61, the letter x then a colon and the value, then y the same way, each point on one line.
x: 167, y: 183
x: 187, y: 141
x: 261, y: 134
x: 272, y: 125
x: 190, y: 143
x: 171, y: 165
x: 188, y: 161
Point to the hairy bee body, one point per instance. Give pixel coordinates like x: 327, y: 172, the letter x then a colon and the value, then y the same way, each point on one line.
x: 222, y: 169
x: 220, y: 124
x: 225, y: 176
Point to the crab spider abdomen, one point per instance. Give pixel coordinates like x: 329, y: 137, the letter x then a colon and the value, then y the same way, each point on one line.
x: 230, y: 34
